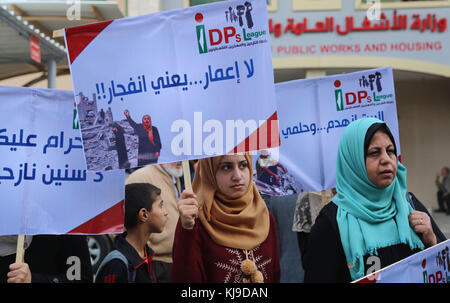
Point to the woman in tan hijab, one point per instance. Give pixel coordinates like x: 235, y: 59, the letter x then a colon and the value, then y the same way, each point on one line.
x: 225, y: 232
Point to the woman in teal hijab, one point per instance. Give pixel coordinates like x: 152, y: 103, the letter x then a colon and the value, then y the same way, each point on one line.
x: 371, y: 222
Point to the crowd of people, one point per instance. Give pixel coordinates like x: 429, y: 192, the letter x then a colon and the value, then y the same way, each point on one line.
x: 221, y: 229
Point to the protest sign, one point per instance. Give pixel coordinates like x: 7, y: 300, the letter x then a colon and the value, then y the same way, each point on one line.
x: 428, y: 266
x: 312, y: 114
x: 175, y: 85
x: 43, y: 179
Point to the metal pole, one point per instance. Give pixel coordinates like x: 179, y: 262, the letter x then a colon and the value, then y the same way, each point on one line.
x: 51, y: 71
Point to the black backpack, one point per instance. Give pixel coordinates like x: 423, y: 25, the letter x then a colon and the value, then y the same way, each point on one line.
x: 115, y: 254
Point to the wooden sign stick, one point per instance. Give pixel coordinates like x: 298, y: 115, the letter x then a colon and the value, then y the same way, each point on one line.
x: 187, y: 175
x: 19, y: 250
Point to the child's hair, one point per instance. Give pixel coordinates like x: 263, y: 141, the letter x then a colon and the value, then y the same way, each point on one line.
x: 138, y: 196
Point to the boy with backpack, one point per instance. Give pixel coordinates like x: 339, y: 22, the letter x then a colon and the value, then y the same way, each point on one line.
x: 131, y: 259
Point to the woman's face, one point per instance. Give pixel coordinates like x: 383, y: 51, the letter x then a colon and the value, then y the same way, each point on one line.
x: 381, y: 161
x: 233, y: 176
x: 147, y: 122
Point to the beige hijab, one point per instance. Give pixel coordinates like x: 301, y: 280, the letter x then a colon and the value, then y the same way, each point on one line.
x: 241, y: 223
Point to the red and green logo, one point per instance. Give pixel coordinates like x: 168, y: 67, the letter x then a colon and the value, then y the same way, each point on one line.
x: 371, y: 92
x: 201, y: 36
x: 238, y: 31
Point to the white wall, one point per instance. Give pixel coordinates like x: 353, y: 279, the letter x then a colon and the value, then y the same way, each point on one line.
x: 423, y: 107
x: 142, y: 7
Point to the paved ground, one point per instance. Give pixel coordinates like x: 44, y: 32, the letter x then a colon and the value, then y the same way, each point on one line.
x: 443, y: 221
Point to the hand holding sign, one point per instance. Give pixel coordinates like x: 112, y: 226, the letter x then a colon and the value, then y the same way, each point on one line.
x: 19, y: 273
x: 420, y: 222
x: 188, y: 208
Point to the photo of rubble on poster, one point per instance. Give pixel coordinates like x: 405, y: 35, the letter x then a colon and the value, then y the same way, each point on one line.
x: 124, y: 143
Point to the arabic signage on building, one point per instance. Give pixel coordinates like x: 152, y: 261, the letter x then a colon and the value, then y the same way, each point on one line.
x: 175, y: 85
x: 312, y: 114
x: 43, y: 179
x: 419, y: 34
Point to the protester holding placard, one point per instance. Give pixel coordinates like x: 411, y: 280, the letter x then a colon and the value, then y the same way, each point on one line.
x: 225, y: 232
x: 131, y: 259
x: 373, y: 221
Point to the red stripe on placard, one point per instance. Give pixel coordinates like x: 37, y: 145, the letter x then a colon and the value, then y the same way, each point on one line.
x: 372, y: 278
x: 266, y: 136
x: 367, y: 280
x: 108, y: 222
x: 79, y: 37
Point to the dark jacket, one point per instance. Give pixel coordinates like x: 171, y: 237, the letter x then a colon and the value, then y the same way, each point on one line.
x: 121, y: 146
x: 116, y: 271
x: 324, y: 260
x: 146, y: 149
x: 53, y: 259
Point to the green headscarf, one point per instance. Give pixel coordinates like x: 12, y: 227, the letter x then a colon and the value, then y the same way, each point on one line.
x: 366, y: 213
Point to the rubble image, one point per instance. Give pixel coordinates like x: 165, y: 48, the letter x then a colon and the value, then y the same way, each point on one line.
x: 108, y: 144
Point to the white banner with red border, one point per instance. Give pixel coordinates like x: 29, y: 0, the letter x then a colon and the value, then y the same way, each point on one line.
x: 45, y: 186
x: 175, y: 85
x: 428, y: 266
x: 313, y: 114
